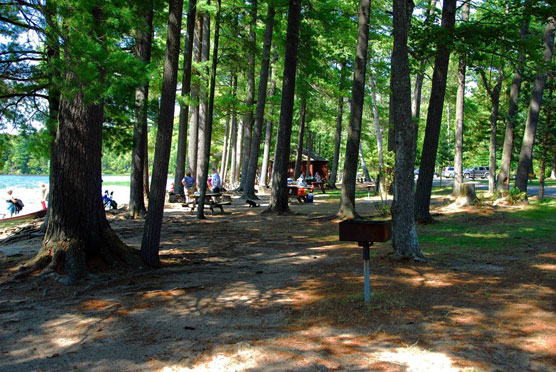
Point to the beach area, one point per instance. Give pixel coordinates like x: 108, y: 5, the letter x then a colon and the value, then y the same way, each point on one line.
x: 28, y: 189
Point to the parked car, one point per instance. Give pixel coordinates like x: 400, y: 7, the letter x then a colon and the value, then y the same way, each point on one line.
x: 448, y: 172
x: 476, y: 172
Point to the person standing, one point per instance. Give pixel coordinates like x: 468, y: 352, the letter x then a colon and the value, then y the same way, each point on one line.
x: 44, y: 196
x: 12, y: 201
x: 216, y: 183
x: 189, y: 183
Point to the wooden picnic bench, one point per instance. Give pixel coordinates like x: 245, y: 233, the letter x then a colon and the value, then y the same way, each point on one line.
x: 212, y: 200
x: 318, y: 185
x: 297, y: 192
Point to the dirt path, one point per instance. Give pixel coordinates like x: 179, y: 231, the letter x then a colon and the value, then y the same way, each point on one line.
x: 245, y: 291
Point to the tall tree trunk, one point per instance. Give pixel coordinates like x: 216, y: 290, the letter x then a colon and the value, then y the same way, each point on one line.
x: 309, y: 172
x: 52, y: 55
x: 419, y: 78
x: 494, y: 93
x: 210, y: 116
x: 239, y: 151
x: 250, y: 98
x: 234, y: 135
x: 279, y: 197
x: 184, y: 107
x: 546, y: 140
x: 300, y: 137
x: 460, y: 106
x: 225, y: 148
x: 146, y: 179
x: 492, y: 144
x: 153, y: 223
x: 347, y: 200
x: 338, y: 137
x: 434, y: 117
x: 203, y: 99
x: 378, y: 128
x: 72, y: 236
x: 553, y: 171
x: 143, y: 42
x: 526, y: 153
x: 269, y: 124
x: 404, y: 240
x: 194, y: 107
x: 366, y: 173
x: 511, y: 118
x: 249, y: 187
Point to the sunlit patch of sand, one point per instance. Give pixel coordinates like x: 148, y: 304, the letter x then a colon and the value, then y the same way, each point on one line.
x: 98, y: 305
x: 320, y: 348
x: 545, y: 267
x: 466, y: 316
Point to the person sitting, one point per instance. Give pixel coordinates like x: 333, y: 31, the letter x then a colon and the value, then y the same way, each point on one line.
x: 318, y: 177
x: 216, y: 183
x: 301, y: 181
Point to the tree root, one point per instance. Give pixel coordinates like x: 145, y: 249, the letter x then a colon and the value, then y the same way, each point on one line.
x: 414, y: 258
x: 24, y: 233
x: 73, y: 257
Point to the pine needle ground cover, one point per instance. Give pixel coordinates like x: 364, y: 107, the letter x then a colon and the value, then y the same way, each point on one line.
x: 246, y: 291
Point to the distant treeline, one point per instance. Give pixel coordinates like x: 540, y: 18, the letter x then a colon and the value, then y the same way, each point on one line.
x: 29, y: 153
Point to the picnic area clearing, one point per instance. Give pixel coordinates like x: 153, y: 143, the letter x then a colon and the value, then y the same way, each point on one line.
x: 249, y: 291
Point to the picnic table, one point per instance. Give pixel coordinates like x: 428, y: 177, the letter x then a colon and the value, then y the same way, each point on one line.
x: 212, y: 200
x: 297, y: 192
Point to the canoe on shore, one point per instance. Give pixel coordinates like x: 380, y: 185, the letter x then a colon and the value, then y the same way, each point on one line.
x: 24, y: 217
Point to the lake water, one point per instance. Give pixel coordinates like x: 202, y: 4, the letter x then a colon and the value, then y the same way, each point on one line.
x: 27, y: 188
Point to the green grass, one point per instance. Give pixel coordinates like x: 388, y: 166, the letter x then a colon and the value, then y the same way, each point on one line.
x: 473, y: 234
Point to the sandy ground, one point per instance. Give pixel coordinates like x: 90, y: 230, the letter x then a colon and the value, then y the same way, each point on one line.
x: 243, y: 291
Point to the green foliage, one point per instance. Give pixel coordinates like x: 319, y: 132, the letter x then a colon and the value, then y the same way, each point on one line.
x: 515, y: 196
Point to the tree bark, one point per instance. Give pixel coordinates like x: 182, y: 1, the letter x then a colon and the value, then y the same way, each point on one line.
x: 269, y: 124
x: 404, y: 235
x: 526, y: 153
x: 460, y: 106
x: 143, y: 42
x: 153, y: 223
x: 338, y: 137
x: 434, y: 117
x: 494, y: 93
x: 300, y: 137
x: 378, y: 128
x: 225, y: 149
x: 347, y: 200
x: 203, y: 102
x: 194, y: 106
x: 249, y: 187
x: 146, y: 180
x: 73, y: 237
x: 506, y: 162
x: 279, y: 197
x: 210, y: 116
x: 234, y: 137
x: 77, y: 230
x: 250, y: 98
x: 364, y: 165
x: 184, y: 107
x: 308, y: 172
x: 419, y: 78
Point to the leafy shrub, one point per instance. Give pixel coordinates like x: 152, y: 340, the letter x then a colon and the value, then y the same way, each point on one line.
x: 516, y: 196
